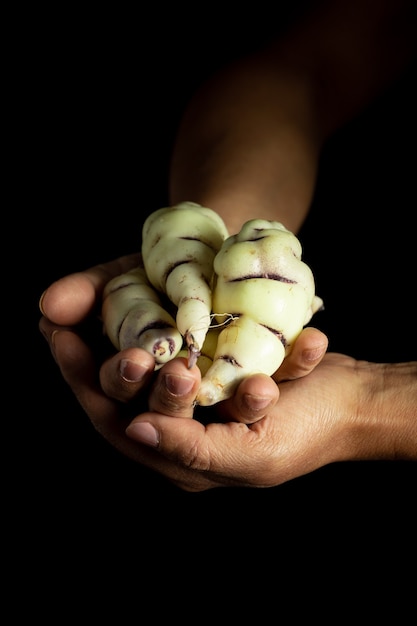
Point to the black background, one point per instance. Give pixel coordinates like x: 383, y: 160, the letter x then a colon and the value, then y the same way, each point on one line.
x: 101, y: 101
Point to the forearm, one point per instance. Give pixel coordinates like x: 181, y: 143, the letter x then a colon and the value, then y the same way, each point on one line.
x: 248, y: 146
x: 387, y: 412
x: 249, y: 143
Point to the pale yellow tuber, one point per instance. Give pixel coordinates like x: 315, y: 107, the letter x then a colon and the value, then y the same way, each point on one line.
x: 262, y: 283
x: 179, y: 244
x: 133, y: 316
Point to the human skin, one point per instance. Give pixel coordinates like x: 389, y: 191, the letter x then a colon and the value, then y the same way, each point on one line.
x: 343, y: 409
x: 263, y: 153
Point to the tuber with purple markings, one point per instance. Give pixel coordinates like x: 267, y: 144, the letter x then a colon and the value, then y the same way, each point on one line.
x: 134, y: 316
x: 238, y: 302
x: 268, y: 293
x: 179, y: 244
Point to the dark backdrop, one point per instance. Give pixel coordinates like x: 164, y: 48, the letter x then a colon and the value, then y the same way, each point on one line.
x: 103, y: 101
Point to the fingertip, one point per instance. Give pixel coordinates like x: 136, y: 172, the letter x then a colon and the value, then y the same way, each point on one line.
x: 143, y: 432
x: 133, y: 371
x: 178, y: 385
x: 175, y: 389
x: 308, y: 351
x: 254, y: 398
x: 311, y: 345
x: 316, y: 346
x: 40, y: 303
x: 69, y: 300
x: 314, y: 354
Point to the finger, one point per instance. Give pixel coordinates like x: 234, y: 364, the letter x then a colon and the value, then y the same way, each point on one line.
x: 109, y: 418
x: 175, y: 389
x: 71, y: 299
x: 193, y: 457
x: 255, y: 397
x: 307, y: 352
x: 78, y: 368
x: 126, y: 373
x: 47, y: 329
x: 217, y: 454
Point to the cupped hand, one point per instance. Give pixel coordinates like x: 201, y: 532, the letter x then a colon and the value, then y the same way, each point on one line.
x: 117, y: 395
x: 73, y: 299
x: 297, y: 434
x: 306, y: 429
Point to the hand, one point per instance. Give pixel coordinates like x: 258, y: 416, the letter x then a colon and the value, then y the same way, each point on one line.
x: 71, y: 300
x: 123, y: 377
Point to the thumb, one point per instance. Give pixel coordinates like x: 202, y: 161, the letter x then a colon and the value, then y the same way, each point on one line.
x: 175, y: 389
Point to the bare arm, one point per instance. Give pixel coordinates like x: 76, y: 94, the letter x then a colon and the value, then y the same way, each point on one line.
x: 249, y: 142
x: 386, y: 412
x: 248, y: 147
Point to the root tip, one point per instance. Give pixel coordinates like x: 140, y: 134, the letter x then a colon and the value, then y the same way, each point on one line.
x: 193, y: 350
x: 193, y: 354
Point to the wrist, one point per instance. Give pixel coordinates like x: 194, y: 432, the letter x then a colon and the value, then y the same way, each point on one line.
x: 386, y: 411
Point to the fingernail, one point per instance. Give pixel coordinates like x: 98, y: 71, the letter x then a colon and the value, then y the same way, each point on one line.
x: 313, y: 354
x: 52, y: 343
x: 41, y: 303
x: 143, y: 432
x: 178, y: 385
x: 256, y: 403
x: 132, y: 372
